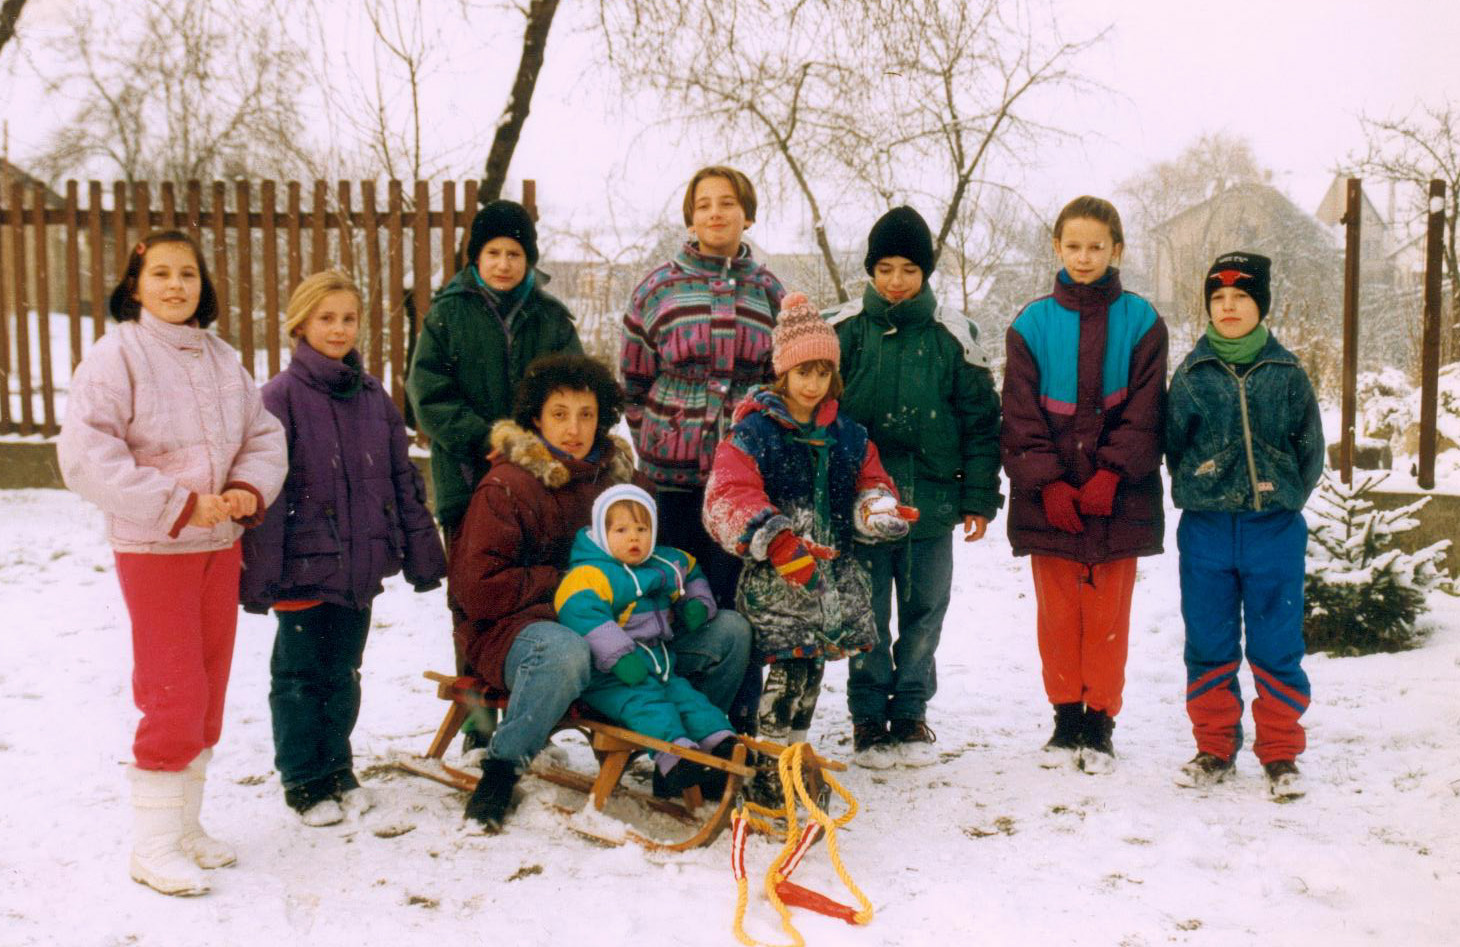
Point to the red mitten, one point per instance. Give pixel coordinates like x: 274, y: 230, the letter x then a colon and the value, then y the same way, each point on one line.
x: 1097, y: 495
x: 795, y: 558
x: 1059, y: 507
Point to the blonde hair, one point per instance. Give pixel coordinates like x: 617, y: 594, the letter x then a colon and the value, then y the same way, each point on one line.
x: 311, y: 292
x: 636, y: 510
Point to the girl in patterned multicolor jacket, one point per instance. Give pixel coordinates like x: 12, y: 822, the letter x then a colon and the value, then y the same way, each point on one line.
x: 1084, y: 391
x: 791, y: 487
x: 1244, y: 444
x: 626, y: 595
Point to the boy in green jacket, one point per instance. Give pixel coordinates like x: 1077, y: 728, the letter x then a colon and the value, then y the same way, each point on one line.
x: 919, y: 382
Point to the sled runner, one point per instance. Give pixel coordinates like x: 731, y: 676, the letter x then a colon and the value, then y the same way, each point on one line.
x: 613, y: 746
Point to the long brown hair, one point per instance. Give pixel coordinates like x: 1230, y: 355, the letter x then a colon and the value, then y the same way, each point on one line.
x: 1092, y: 208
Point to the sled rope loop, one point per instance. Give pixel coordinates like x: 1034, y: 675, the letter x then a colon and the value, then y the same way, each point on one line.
x: 778, y: 887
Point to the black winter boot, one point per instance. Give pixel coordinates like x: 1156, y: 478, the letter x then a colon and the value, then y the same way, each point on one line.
x: 713, y: 785
x: 489, y: 801
x: 1097, y: 752
x: 1069, y: 724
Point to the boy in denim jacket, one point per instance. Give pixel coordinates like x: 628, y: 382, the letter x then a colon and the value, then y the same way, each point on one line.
x: 1244, y: 445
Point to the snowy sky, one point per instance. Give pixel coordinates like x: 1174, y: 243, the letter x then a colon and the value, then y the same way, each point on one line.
x: 1292, y: 77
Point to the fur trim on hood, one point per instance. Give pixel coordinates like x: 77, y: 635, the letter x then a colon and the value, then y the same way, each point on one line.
x: 527, y: 450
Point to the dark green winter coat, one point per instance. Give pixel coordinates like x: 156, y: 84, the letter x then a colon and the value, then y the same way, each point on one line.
x: 467, y: 363
x: 919, y: 383
x: 1240, y: 437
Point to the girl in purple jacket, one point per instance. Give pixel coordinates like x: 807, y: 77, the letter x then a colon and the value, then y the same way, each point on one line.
x: 1084, y: 394
x: 165, y: 432
x: 353, y: 511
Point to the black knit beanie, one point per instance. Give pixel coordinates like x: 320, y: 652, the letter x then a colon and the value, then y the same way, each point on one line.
x: 901, y: 232
x: 1249, y: 272
x: 503, y: 219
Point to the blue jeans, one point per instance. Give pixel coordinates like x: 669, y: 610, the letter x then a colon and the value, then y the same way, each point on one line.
x: 549, y: 666
x: 896, y: 681
x: 314, y: 690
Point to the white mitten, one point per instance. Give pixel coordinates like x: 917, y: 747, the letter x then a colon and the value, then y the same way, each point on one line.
x: 877, y: 516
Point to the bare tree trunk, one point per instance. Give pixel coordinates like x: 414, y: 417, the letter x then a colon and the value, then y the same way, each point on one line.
x: 534, y: 43
x: 9, y: 16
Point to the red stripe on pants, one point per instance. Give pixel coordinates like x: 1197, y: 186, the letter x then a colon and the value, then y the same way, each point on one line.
x: 1084, y: 629
x: 1279, y: 734
x: 184, y: 611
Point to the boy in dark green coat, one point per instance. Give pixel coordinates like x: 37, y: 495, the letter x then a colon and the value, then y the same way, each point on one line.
x: 484, y: 328
x: 920, y: 384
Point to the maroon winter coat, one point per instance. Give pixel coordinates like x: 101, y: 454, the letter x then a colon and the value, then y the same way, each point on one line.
x: 512, y: 547
x: 1084, y: 390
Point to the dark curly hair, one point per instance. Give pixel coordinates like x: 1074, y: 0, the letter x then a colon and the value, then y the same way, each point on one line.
x: 124, y: 306
x: 565, y: 370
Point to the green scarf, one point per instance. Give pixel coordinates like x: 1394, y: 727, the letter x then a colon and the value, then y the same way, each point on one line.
x: 909, y: 311
x: 1241, y: 351
x: 820, y: 440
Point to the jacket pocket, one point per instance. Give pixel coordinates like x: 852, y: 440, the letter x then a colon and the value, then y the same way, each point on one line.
x: 311, y: 557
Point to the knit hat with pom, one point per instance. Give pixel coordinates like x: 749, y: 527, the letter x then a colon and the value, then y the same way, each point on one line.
x: 801, y: 335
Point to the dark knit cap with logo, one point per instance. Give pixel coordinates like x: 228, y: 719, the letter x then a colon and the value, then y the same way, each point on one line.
x: 1249, y: 272
x: 503, y: 219
x: 901, y: 232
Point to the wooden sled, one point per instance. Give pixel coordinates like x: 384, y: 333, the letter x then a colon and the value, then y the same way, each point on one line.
x: 612, y: 745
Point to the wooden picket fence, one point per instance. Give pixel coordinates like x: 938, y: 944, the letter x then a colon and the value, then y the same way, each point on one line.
x: 254, y: 245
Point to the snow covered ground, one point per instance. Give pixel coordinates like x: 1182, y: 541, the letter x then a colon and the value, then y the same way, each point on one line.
x: 983, y: 848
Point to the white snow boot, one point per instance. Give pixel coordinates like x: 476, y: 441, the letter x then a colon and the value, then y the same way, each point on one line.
x: 158, y: 861
x: 196, y: 843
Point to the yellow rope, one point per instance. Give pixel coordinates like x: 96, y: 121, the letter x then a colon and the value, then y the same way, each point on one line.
x: 793, y: 785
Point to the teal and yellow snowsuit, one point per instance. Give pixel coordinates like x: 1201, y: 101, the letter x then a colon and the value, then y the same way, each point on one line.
x: 621, y: 608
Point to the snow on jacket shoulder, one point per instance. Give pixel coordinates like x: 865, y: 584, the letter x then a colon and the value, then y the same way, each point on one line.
x: 353, y: 508
x: 157, y: 415
x: 514, y: 541
x: 765, y: 474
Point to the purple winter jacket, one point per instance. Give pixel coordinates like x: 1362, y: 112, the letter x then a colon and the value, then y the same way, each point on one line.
x: 353, y: 508
x: 1085, y: 390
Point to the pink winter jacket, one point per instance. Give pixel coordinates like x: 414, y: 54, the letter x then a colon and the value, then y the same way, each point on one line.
x: 158, y: 414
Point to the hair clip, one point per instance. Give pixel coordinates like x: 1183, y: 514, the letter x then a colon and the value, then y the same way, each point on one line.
x: 141, y: 248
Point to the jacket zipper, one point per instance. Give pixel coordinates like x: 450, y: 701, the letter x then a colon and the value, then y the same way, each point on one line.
x: 1246, y: 428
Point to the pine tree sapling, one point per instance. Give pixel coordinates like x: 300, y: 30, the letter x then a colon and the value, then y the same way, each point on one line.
x: 1362, y: 596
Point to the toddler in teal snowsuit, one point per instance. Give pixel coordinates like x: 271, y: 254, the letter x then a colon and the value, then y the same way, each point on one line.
x: 624, y: 594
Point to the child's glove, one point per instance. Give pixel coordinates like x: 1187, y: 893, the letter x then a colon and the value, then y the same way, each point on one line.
x: 1059, y: 507
x: 879, y: 516
x: 1097, y: 495
x: 630, y: 669
x: 693, y: 614
x: 795, y: 558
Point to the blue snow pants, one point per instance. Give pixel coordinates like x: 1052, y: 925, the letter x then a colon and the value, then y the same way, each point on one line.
x: 1244, y: 569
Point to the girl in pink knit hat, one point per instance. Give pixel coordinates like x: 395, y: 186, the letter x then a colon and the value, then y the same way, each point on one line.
x: 791, y: 488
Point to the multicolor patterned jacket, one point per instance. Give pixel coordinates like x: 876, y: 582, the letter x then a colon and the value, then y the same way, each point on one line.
x: 697, y: 337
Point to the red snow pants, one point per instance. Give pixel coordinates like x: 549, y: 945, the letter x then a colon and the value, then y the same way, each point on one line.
x: 1084, y: 629
x: 184, y: 611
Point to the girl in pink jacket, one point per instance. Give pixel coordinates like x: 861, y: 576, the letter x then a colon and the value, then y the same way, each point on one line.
x: 167, y: 434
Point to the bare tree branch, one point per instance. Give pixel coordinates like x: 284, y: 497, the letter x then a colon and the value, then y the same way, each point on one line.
x: 9, y: 16
x: 509, y: 129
